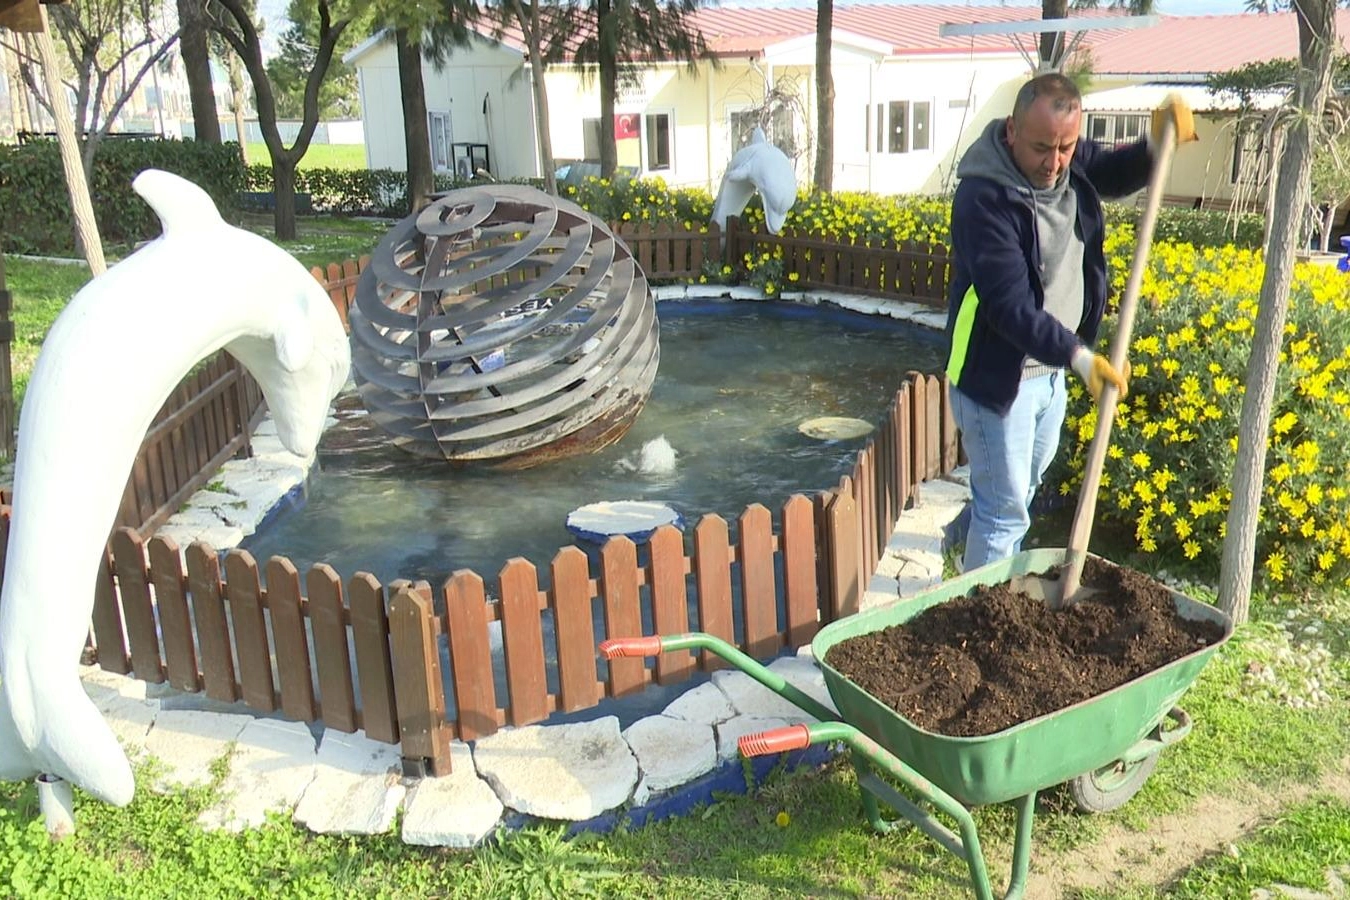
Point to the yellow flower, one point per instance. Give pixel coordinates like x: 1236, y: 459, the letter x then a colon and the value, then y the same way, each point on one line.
x: 1191, y: 549
x: 1276, y: 563
x: 1140, y: 460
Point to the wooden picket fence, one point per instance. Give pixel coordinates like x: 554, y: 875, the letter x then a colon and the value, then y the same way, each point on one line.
x: 909, y: 271
x: 355, y: 654
x: 914, y: 272
x: 205, y: 421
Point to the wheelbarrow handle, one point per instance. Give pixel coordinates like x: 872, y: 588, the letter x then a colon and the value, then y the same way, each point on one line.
x: 646, y: 645
x: 777, y: 740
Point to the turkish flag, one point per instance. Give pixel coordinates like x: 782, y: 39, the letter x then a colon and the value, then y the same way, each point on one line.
x: 627, y: 125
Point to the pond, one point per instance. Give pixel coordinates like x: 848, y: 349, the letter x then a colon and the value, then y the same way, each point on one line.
x: 720, y: 431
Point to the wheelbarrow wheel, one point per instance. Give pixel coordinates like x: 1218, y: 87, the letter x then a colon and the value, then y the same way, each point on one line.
x: 1111, y: 786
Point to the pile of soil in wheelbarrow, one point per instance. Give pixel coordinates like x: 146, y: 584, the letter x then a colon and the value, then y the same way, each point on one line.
x: 985, y: 662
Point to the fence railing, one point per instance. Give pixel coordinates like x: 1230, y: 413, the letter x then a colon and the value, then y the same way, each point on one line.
x: 909, y: 271
x: 207, y: 420
x: 356, y: 654
x: 915, y: 272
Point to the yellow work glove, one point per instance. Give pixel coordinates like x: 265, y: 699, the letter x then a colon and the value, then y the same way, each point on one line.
x: 1175, y: 108
x: 1097, y: 372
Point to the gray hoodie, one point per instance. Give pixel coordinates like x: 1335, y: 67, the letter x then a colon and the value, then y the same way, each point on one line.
x: 1058, y: 233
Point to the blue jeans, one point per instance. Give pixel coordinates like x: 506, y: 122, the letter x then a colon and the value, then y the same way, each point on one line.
x: 1008, y: 457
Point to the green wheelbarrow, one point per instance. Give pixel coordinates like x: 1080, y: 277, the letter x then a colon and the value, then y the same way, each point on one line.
x: 1104, y: 747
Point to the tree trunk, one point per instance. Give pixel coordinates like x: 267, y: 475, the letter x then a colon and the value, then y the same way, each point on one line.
x: 283, y: 193
x: 609, y: 88
x: 81, y: 207
x: 1327, y: 224
x: 197, y: 67
x: 417, y: 143
x: 237, y: 101
x: 1317, y: 40
x: 540, y: 94
x: 824, y: 175
x: 1050, y: 40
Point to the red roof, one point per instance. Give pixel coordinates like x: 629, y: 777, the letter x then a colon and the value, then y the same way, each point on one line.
x: 1176, y: 45
x: 1203, y: 44
x: 908, y: 29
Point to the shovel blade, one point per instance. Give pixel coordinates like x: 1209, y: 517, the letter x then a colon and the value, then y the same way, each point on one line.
x: 1048, y: 587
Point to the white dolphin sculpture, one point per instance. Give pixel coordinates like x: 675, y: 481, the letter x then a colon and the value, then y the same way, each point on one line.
x: 758, y: 166
x: 112, y: 357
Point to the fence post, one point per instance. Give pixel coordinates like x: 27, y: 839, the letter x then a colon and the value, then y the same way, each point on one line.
x: 845, y: 564
x: 424, y: 735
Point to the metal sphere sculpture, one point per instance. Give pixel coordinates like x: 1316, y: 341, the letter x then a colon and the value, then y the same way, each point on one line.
x: 503, y: 325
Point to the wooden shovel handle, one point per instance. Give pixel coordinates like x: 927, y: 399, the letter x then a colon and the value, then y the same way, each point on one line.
x: 1120, y: 348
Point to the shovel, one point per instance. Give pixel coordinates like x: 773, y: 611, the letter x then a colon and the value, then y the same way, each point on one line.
x: 1067, y: 588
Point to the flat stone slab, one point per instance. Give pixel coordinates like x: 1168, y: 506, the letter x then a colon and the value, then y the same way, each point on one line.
x: 635, y: 519
x: 835, y: 428
x: 357, y: 786
x: 186, y: 742
x: 100, y: 684
x: 573, y: 772
x: 671, y: 751
x: 802, y: 673
x: 271, y: 766
x: 130, y: 720
x: 750, y: 698
x: 455, y: 810
x: 705, y: 704
x: 732, y: 730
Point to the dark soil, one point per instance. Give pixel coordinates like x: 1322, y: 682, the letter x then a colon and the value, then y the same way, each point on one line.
x: 985, y: 662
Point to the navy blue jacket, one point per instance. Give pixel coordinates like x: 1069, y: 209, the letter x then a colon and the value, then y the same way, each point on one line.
x: 995, y: 299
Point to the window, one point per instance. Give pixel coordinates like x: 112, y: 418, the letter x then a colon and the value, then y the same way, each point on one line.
x: 1251, y: 157
x: 1116, y: 128
x: 438, y: 130
x: 781, y: 130
x: 658, y: 136
x: 921, y: 114
x: 899, y: 133
x: 904, y: 126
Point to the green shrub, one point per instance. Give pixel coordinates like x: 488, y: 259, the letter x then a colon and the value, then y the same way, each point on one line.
x: 1198, y: 227
x: 1168, y: 471
x: 34, y: 197
x: 640, y: 200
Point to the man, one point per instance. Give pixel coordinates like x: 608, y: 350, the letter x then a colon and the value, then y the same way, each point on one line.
x: 1028, y: 291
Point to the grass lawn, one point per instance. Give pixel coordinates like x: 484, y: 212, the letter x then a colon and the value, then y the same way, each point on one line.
x: 796, y: 834
x: 318, y: 156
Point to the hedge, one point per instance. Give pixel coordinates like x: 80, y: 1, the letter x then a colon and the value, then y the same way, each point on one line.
x: 353, y: 192
x: 37, y: 206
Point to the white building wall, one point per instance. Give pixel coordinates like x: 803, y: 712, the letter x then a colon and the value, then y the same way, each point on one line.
x: 471, y: 79
x: 963, y: 94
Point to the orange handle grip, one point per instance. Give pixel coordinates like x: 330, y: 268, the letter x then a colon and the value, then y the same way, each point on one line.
x: 649, y: 645
x: 780, y: 740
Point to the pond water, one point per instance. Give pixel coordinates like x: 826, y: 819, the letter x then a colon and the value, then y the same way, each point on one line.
x: 736, y: 379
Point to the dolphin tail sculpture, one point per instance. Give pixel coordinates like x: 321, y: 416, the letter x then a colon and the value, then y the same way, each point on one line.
x: 114, y: 354
x: 758, y: 166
